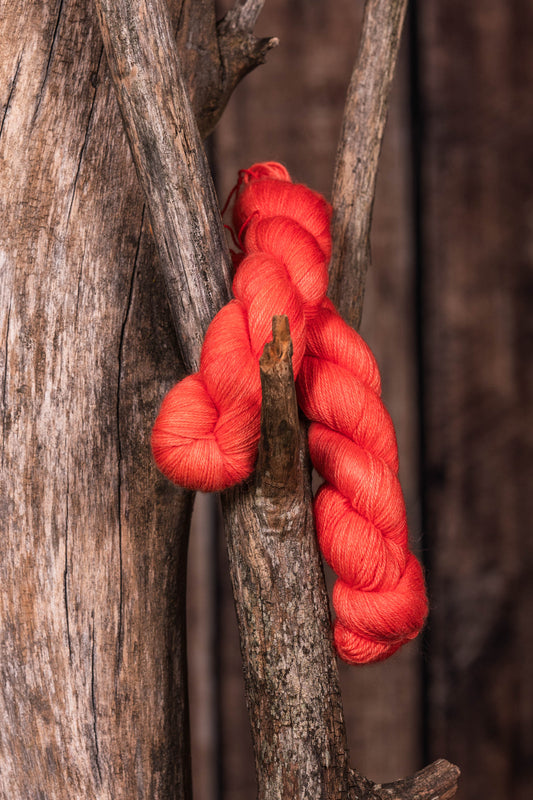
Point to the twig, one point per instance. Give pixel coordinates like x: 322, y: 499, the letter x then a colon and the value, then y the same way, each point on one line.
x: 438, y: 780
x: 358, y: 153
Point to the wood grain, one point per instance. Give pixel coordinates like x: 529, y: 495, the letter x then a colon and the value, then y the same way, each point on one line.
x: 93, y: 553
x: 356, y: 166
x: 477, y: 178
x: 172, y: 168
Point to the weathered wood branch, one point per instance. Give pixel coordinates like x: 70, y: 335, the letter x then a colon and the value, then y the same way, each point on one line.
x: 167, y: 150
x: 358, y: 153
x: 438, y: 780
x: 289, y: 666
x: 170, y: 162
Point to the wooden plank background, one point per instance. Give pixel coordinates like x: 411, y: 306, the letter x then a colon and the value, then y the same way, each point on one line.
x: 447, y: 315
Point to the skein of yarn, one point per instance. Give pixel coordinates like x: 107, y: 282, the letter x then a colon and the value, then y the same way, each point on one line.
x: 360, y: 515
x: 205, y: 436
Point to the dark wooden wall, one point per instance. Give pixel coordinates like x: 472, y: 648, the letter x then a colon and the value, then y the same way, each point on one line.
x: 447, y: 313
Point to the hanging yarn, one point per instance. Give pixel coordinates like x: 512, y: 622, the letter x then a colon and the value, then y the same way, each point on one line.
x: 360, y: 515
x: 206, y: 434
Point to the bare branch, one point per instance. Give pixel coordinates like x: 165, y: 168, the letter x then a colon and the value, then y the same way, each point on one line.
x: 216, y: 56
x: 170, y: 163
x: 240, y: 50
x: 358, y: 153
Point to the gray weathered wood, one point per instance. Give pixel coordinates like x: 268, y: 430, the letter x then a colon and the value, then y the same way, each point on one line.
x: 170, y: 162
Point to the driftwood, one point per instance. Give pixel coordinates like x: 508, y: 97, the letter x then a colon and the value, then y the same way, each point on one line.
x: 289, y: 662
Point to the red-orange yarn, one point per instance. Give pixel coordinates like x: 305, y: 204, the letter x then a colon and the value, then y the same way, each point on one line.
x: 205, y: 436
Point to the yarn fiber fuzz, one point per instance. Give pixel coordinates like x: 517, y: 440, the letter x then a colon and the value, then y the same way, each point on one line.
x: 205, y: 436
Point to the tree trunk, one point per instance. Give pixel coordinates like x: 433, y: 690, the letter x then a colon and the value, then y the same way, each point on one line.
x: 93, y: 540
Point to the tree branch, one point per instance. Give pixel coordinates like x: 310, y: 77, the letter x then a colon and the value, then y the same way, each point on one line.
x: 290, y: 669
x: 438, y: 780
x: 170, y: 162
x: 216, y: 56
x: 358, y: 153
x: 291, y: 677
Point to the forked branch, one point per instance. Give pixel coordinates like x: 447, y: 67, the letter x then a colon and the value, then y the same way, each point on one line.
x: 291, y: 674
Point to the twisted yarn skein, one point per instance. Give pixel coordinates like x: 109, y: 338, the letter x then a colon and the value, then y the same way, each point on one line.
x: 206, y: 434
x: 360, y: 515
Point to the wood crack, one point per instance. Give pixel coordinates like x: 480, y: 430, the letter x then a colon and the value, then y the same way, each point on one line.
x: 85, y: 140
x: 93, y: 704
x: 48, y: 63
x: 4, y: 383
x: 65, y: 571
x: 120, y: 636
x: 10, y: 95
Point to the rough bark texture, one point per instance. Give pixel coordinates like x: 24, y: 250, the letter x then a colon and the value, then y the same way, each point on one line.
x: 92, y: 557
x: 438, y: 780
x: 166, y: 143
x: 171, y: 164
x: 354, y: 183
x: 218, y: 55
